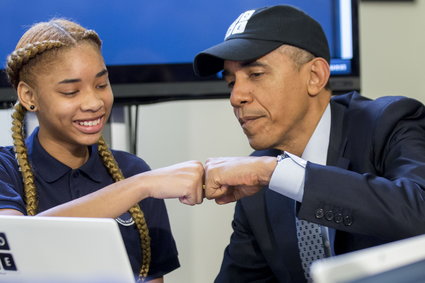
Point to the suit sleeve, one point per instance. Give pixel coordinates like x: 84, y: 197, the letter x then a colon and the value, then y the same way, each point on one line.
x: 381, y: 194
x: 243, y: 260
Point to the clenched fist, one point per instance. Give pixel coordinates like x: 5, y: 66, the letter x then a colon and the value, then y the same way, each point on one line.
x: 228, y: 179
x: 183, y: 181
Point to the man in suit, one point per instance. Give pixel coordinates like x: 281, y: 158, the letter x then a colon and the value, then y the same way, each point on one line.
x: 354, y: 166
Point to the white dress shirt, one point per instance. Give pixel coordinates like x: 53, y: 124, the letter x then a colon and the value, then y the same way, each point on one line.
x: 288, y: 176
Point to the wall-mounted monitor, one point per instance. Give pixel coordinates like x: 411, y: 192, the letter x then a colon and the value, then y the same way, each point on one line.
x: 149, y: 45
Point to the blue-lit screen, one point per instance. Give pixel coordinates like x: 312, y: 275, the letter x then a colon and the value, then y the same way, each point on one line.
x: 137, y: 32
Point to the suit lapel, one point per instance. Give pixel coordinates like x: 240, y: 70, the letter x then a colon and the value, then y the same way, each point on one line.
x: 336, y: 150
x: 338, y: 138
x: 281, y: 210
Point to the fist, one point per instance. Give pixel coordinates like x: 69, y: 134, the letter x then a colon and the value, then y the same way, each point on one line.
x: 229, y: 179
x: 183, y: 181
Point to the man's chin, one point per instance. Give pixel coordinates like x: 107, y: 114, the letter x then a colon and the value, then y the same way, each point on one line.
x: 258, y: 145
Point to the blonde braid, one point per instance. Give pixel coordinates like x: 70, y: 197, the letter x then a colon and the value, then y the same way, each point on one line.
x: 21, y: 56
x: 91, y: 34
x: 136, y: 212
x: 22, y: 157
x: 39, y: 38
x: 15, y: 62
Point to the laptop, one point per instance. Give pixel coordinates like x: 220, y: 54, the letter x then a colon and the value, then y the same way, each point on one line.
x: 397, y: 262
x: 62, y: 249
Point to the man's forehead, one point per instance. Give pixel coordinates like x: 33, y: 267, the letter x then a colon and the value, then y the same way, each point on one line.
x: 242, y: 64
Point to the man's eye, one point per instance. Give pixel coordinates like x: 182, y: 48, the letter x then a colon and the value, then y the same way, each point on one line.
x: 230, y: 84
x: 255, y: 75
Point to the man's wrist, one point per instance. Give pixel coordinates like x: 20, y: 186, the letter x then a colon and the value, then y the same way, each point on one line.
x: 282, y: 156
x: 270, y: 165
x: 288, y: 176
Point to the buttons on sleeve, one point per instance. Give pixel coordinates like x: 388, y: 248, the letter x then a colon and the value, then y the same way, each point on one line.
x: 338, y: 216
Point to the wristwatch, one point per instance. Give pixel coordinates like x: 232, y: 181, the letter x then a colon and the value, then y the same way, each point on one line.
x: 282, y: 156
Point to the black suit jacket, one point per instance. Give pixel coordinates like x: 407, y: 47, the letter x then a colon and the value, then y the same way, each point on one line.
x: 371, y: 191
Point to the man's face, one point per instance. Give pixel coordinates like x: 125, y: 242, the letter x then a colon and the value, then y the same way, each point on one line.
x: 270, y: 99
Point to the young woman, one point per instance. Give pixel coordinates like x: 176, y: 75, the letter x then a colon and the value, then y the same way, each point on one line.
x: 64, y: 168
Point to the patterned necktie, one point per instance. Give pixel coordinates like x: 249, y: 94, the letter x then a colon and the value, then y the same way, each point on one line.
x: 310, y: 244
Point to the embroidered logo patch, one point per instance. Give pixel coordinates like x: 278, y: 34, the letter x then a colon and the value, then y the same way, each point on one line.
x: 239, y: 25
x: 125, y: 219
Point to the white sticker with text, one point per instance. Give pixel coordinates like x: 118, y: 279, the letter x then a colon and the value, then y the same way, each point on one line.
x: 239, y: 25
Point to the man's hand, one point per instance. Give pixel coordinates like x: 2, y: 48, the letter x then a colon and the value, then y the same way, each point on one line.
x: 229, y: 179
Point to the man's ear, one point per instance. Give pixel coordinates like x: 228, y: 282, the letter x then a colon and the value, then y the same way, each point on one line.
x: 26, y: 96
x: 319, y: 75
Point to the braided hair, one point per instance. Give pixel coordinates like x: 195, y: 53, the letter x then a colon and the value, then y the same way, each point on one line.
x: 40, y: 44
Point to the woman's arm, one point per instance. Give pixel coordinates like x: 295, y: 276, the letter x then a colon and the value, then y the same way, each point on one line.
x: 10, y: 212
x: 183, y: 181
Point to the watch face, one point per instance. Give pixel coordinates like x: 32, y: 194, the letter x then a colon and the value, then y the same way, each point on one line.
x: 281, y: 157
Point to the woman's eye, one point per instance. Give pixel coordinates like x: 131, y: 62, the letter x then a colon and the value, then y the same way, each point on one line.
x: 102, y: 86
x: 69, y: 92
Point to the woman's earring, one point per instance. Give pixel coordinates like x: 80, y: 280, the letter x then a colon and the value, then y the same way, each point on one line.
x: 32, y: 107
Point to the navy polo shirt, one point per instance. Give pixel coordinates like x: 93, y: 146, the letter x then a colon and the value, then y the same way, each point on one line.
x: 57, y: 183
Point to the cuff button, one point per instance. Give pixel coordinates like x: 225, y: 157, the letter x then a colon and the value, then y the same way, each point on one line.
x: 320, y: 213
x: 338, y: 218
x: 329, y: 215
x: 348, y: 221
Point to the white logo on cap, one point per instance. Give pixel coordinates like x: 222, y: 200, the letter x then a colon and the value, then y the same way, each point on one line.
x: 239, y: 25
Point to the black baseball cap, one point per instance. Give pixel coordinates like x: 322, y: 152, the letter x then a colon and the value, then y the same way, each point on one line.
x: 257, y: 32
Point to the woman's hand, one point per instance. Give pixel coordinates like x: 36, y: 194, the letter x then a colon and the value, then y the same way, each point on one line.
x: 183, y: 181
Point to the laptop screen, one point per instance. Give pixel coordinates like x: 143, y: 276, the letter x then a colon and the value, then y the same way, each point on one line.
x: 401, y: 261
x: 61, y: 249
x: 410, y: 273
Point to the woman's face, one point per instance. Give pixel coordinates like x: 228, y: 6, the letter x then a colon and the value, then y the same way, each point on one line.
x: 73, y: 98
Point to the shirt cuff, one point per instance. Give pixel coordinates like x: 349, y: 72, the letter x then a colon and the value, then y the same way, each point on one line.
x: 288, y: 177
